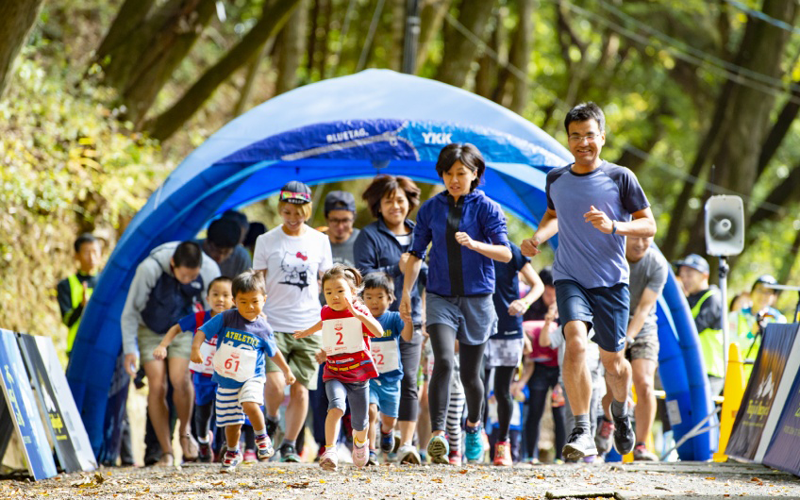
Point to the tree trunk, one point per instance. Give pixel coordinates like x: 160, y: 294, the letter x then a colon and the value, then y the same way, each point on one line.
x: 779, y: 129
x: 311, y: 46
x: 292, y: 41
x: 250, y: 78
x: 520, y: 54
x: 488, y: 68
x: 17, y: 17
x: 459, y: 51
x: 272, y: 20
x: 128, y: 20
x: 397, y: 30
x: 747, y: 114
x: 170, y: 46
x: 785, y: 273
x: 431, y: 16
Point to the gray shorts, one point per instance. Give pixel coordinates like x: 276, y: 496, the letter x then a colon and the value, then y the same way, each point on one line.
x: 503, y: 352
x: 357, y: 394
x: 473, y: 318
x: 644, y: 347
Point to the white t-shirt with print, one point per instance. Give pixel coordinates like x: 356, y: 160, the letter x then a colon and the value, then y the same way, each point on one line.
x: 293, y: 264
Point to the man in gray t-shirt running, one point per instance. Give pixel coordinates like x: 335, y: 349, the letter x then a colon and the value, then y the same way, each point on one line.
x: 593, y: 205
x: 648, y: 275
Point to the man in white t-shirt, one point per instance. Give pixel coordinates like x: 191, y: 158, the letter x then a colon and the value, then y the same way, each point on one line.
x: 292, y: 256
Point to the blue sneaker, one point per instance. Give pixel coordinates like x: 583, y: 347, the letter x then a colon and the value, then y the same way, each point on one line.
x: 387, y: 442
x: 473, y: 449
x: 439, y: 450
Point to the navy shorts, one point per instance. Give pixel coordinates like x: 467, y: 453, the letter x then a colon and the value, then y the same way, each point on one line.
x: 205, y: 389
x: 604, y: 308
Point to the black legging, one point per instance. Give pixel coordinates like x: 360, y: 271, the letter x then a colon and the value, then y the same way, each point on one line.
x: 443, y: 340
x: 505, y: 403
x: 544, y: 378
x: 409, y: 355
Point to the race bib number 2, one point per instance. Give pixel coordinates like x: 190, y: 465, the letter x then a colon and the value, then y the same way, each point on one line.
x: 235, y: 363
x: 342, y: 336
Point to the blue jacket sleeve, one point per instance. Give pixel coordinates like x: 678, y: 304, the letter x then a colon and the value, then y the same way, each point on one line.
x: 422, y: 231
x: 212, y: 327
x: 494, y: 223
x: 367, y: 251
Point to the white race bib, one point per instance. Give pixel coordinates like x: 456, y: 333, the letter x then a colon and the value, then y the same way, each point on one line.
x: 235, y: 363
x: 342, y: 336
x: 207, y: 351
x: 386, y: 356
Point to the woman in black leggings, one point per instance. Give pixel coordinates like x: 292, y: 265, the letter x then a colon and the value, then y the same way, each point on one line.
x: 468, y: 231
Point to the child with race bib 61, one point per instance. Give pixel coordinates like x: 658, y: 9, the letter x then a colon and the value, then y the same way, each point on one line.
x: 384, y: 391
x: 346, y: 326
x: 243, y: 339
x: 220, y: 299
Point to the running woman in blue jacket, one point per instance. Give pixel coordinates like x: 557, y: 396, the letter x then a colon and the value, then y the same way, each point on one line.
x: 467, y: 231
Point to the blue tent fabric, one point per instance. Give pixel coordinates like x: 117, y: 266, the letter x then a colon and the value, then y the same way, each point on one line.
x: 357, y: 126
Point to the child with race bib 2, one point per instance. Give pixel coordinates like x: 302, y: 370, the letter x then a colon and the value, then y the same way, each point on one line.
x: 384, y: 391
x: 220, y: 299
x: 243, y: 339
x: 346, y: 326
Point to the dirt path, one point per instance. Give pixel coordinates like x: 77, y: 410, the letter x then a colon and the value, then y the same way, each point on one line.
x: 289, y: 481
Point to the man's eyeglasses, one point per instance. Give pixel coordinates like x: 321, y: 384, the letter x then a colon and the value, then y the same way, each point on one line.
x: 580, y: 138
x: 339, y: 221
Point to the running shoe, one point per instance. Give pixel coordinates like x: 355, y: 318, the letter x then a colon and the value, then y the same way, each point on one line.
x: 624, y: 437
x: 602, y: 437
x: 264, y: 448
x: 272, y: 427
x: 502, y: 454
x: 407, y: 454
x: 642, y: 454
x: 580, y: 444
x: 288, y: 454
x: 360, y: 454
x: 329, y: 459
x: 231, y: 460
x: 455, y: 457
x: 473, y: 449
x: 250, y: 456
x: 387, y: 442
x: 373, y: 458
x: 204, y: 453
x: 438, y: 450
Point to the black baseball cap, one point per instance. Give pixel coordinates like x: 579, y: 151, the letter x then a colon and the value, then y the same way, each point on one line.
x: 339, y: 200
x: 295, y: 192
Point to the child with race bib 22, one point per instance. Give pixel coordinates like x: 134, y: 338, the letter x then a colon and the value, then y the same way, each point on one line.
x: 346, y: 326
x: 243, y: 339
x: 384, y: 391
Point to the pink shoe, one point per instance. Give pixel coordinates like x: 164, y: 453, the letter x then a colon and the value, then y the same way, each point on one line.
x: 250, y: 456
x: 455, y: 457
x: 360, y: 454
x: 329, y: 459
x: 502, y: 454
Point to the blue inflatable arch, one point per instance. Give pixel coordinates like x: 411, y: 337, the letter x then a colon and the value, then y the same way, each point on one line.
x: 352, y: 127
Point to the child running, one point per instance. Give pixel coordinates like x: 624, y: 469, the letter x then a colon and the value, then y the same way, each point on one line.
x: 220, y: 299
x: 346, y: 326
x: 243, y: 338
x: 384, y: 391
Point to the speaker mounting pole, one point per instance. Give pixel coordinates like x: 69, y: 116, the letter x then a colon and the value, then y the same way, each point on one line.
x: 723, y: 290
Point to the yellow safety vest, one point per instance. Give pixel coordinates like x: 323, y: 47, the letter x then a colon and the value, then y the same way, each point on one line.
x: 76, y: 295
x: 710, y: 342
x: 749, y: 343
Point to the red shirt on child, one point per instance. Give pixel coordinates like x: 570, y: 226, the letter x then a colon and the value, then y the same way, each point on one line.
x: 350, y: 367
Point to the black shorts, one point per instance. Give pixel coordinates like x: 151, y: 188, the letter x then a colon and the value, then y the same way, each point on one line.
x: 604, y: 308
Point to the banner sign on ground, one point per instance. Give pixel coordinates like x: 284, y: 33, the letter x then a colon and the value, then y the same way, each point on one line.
x: 115, y: 413
x: 760, y: 395
x: 64, y: 423
x: 22, y: 409
x: 782, y: 451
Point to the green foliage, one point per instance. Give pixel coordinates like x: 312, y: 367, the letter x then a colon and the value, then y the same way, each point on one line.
x: 67, y: 166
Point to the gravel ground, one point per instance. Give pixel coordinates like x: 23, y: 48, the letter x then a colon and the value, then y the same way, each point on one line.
x: 276, y: 480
